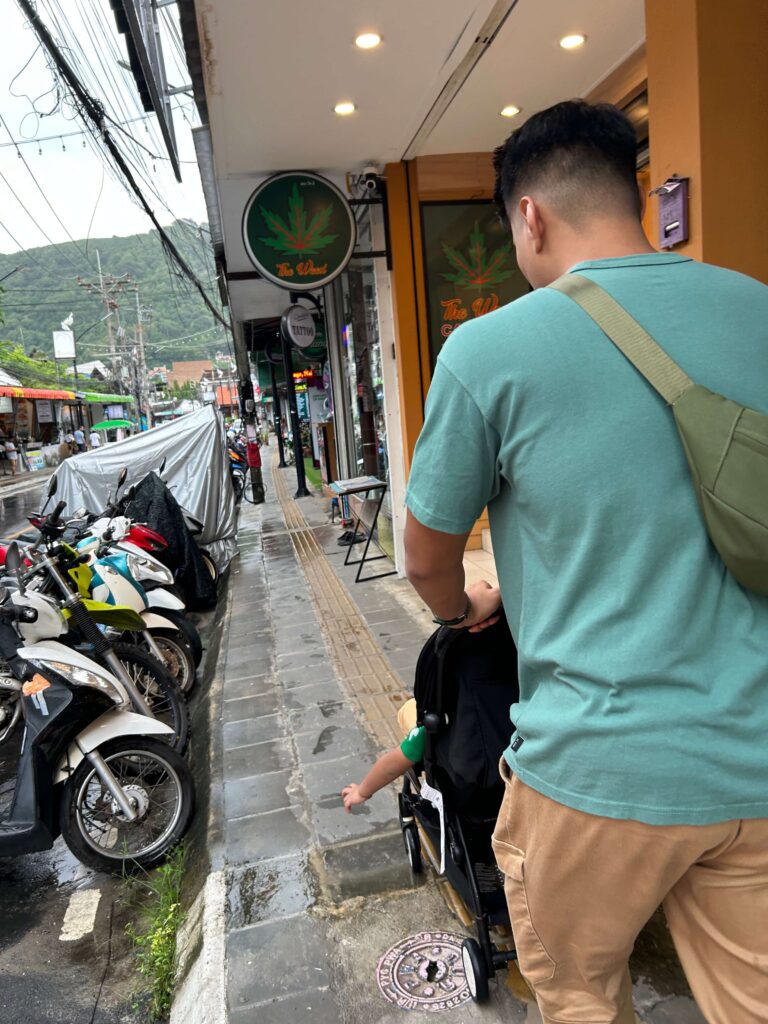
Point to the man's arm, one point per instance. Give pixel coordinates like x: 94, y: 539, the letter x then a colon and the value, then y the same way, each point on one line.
x: 434, y: 564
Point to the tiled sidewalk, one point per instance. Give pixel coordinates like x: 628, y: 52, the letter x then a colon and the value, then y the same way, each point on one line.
x: 315, y: 669
x: 304, y: 712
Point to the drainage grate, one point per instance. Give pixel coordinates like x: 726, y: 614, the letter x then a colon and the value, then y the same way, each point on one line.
x: 424, y: 972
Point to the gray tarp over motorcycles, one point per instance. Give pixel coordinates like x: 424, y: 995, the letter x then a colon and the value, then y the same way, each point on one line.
x: 196, y: 472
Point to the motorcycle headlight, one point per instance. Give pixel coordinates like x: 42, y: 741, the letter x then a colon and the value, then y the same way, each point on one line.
x: 139, y: 567
x: 78, y: 676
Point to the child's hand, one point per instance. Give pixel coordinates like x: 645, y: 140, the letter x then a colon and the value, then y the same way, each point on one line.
x: 351, y: 796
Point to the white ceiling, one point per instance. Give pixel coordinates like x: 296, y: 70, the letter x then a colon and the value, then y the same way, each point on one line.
x: 275, y: 68
x: 527, y: 67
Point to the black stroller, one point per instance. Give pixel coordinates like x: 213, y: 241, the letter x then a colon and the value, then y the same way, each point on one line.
x: 464, y: 685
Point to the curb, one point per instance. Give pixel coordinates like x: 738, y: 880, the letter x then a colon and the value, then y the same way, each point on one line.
x: 200, y: 992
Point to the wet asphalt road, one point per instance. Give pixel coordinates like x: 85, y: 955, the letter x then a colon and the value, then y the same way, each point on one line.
x: 88, y: 980
x: 17, y: 501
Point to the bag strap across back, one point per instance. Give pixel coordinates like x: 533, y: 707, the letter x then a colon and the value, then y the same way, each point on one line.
x: 633, y: 341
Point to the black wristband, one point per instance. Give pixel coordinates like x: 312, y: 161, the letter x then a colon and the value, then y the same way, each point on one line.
x: 459, y: 618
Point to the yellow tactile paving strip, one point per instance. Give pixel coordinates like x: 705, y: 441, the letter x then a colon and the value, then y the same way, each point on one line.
x: 363, y: 671
x: 361, y: 665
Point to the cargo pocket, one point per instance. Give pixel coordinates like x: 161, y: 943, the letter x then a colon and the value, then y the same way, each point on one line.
x: 536, y: 965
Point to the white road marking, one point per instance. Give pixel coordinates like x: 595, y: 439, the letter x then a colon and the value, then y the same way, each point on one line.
x: 81, y: 914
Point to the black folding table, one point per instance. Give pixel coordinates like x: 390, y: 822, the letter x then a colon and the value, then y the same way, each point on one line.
x: 364, y: 485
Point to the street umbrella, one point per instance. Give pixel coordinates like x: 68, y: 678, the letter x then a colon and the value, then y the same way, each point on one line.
x: 112, y: 424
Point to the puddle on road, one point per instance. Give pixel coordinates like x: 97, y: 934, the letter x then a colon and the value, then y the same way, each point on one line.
x: 424, y: 972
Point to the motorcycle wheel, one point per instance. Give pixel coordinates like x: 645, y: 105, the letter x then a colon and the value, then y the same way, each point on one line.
x: 160, y: 785
x: 210, y: 565
x: 159, y: 690
x: 187, y: 628
x: 177, y: 657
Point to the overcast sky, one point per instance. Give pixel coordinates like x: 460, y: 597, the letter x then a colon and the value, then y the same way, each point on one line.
x: 71, y: 175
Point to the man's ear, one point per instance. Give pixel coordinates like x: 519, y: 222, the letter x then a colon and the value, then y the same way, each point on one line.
x: 533, y: 224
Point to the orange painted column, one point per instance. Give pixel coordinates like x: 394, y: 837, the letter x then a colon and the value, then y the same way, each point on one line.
x: 407, y: 328
x: 708, y: 103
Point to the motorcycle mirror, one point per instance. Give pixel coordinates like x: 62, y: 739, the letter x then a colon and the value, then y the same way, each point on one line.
x: 13, y: 557
x: 53, y: 486
x: 121, y: 478
x: 13, y: 563
x: 161, y: 470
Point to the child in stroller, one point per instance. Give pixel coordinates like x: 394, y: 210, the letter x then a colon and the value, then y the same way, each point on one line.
x: 391, y: 765
x: 464, y: 685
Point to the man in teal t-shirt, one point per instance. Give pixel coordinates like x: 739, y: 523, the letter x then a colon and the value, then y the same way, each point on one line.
x: 637, y: 770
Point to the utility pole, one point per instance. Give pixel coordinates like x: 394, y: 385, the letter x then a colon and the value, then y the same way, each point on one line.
x: 108, y: 287
x: 141, y: 368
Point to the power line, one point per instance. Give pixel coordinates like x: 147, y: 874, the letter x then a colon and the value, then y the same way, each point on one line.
x: 45, y: 197
x: 94, y: 111
x: 37, y: 225
x: 15, y: 143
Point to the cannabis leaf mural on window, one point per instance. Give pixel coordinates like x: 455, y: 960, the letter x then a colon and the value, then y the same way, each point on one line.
x: 477, y: 269
x: 298, y: 235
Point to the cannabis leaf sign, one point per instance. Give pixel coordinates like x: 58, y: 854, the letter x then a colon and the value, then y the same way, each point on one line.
x: 477, y: 269
x: 297, y: 236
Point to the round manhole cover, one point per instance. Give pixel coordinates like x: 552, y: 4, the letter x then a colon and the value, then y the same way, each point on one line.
x: 424, y: 972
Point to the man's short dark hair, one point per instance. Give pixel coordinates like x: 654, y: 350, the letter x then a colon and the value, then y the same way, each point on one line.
x: 582, y: 156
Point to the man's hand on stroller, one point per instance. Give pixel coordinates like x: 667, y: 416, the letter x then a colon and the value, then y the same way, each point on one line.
x: 485, y: 607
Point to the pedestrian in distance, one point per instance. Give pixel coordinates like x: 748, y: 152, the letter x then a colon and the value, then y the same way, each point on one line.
x: 79, y: 437
x: 11, y: 455
x: 65, y: 448
x: 636, y: 772
x: 94, y: 439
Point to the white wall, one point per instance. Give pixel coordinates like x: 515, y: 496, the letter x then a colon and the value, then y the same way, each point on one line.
x: 389, y: 370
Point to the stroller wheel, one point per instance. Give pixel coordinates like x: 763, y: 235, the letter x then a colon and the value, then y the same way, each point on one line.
x: 413, y: 848
x: 475, y: 970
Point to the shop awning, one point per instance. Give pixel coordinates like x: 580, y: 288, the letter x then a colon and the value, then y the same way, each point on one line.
x: 95, y: 397
x: 11, y: 392
x: 113, y: 424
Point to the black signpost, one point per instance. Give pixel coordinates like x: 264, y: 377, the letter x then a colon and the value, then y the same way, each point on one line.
x: 290, y: 390
x: 276, y: 417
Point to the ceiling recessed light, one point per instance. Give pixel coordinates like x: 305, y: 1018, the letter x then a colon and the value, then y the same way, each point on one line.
x: 573, y: 42
x: 345, y: 108
x: 509, y: 111
x: 368, y: 40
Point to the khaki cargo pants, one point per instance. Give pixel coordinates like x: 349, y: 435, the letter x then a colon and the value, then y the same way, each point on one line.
x: 581, y: 887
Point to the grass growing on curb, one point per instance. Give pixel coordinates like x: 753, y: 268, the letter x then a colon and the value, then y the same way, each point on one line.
x: 155, y: 939
x: 313, y: 475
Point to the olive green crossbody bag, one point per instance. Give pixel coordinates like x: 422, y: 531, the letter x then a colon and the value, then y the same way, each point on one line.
x: 726, y: 444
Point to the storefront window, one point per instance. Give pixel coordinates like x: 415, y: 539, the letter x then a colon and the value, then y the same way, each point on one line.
x: 361, y: 360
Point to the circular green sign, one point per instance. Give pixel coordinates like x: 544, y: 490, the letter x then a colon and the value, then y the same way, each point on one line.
x: 299, y: 230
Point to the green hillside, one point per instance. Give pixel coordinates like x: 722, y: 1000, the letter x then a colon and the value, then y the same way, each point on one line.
x: 34, y: 301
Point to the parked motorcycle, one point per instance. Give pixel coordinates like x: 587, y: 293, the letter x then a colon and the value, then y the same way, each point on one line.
x: 110, y: 579
x: 150, y: 687
x: 237, y: 464
x: 89, y: 768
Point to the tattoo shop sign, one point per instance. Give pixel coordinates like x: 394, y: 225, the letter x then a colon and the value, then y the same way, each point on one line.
x: 299, y: 230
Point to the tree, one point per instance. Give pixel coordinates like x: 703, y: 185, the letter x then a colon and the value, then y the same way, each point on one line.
x: 37, y: 372
x: 186, y: 390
